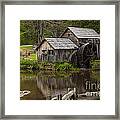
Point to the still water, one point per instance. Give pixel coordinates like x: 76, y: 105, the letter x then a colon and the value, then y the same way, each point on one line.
x: 49, y: 85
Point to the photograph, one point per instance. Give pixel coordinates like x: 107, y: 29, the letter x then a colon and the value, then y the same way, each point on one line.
x: 59, y: 59
x: 58, y: 55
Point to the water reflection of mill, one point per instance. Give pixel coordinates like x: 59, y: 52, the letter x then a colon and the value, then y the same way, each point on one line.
x: 54, y: 84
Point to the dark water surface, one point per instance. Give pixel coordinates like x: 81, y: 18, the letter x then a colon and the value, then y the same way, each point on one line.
x: 47, y: 85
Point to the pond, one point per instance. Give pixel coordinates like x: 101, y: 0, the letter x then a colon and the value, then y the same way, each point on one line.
x: 60, y: 85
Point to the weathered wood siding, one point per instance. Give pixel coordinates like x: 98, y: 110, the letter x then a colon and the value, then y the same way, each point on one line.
x: 79, y: 41
x: 63, y: 55
x: 44, y: 46
x: 71, y: 36
x: 43, y: 51
x: 47, y: 53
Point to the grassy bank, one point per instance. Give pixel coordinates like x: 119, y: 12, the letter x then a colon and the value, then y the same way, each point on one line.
x: 29, y: 65
x: 33, y: 65
x: 28, y: 61
x: 28, y: 47
x: 27, y: 52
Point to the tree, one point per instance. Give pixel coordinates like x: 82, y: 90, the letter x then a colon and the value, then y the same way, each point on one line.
x: 34, y: 31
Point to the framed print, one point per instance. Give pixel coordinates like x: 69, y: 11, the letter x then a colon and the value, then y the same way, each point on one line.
x: 59, y: 59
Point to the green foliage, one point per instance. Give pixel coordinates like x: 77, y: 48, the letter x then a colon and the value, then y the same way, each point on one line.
x: 95, y: 64
x: 28, y: 48
x: 28, y: 32
x: 46, y: 66
x: 30, y: 29
x: 64, y: 66
x: 33, y: 56
x: 26, y: 64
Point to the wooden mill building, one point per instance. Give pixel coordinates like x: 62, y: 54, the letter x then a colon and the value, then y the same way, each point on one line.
x: 81, y: 36
x: 72, y: 39
x: 55, y: 49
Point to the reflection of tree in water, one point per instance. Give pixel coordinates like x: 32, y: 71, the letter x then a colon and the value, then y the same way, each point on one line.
x: 92, y: 80
x: 28, y: 83
x: 48, y: 84
x: 51, y: 84
x: 55, y: 83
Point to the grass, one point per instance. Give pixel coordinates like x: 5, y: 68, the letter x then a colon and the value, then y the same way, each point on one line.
x: 65, y: 66
x: 33, y: 56
x: 28, y: 48
x: 30, y: 65
x: 28, y: 62
x: 33, y: 65
x: 95, y: 64
x: 57, y: 66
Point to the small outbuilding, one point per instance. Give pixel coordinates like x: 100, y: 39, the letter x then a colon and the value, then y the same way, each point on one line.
x: 55, y: 49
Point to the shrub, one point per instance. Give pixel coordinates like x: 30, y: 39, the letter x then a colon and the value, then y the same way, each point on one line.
x: 95, y: 64
x: 64, y: 66
x: 26, y: 64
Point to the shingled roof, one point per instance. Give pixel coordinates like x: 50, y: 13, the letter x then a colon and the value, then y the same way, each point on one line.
x: 83, y: 32
x: 61, y: 43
